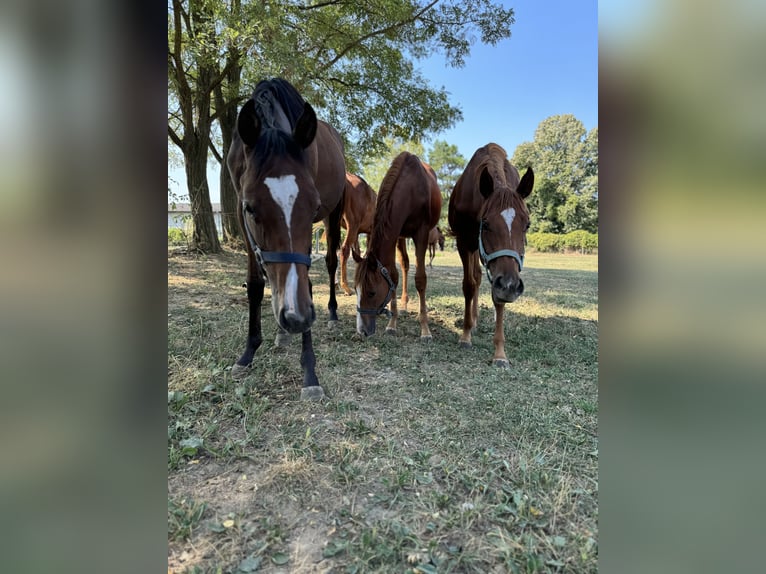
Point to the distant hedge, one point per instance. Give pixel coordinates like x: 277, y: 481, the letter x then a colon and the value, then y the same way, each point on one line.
x: 581, y: 241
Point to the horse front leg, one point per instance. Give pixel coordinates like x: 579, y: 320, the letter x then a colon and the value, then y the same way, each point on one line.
x: 499, y: 360
x: 351, y: 239
x: 255, y: 286
x: 332, y: 228
x: 421, y: 281
x: 470, y: 294
x: 311, y: 389
x: 404, y: 263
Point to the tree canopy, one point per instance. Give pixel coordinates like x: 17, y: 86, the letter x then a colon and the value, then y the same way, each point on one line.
x: 355, y: 62
x: 565, y: 160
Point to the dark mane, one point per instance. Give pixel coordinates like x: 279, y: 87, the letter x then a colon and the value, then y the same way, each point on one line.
x: 279, y: 91
x: 276, y: 143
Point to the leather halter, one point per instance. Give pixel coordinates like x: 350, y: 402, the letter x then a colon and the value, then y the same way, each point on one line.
x: 485, y: 259
x: 391, y: 289
x: 264, y: 257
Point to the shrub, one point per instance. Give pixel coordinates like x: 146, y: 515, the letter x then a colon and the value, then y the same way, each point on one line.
x: 547, y: 242
x: 176, y: 236
x: 582, y: 241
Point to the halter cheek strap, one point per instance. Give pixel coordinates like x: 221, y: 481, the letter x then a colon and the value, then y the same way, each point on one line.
x: 485, y: 259
x: 391, y: 288
x: 275, y: 256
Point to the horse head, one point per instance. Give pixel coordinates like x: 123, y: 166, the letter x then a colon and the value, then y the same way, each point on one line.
x: 504, y: 221
x: 375, y: 285
x: 279, y: 203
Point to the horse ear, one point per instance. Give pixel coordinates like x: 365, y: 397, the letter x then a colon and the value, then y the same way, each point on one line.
x: 486, y: 185
x: 526, y: 183
x: 356, y: 255
x: 248, y: 124
x: 306, y: 127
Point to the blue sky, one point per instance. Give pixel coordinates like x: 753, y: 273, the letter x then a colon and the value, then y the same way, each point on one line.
x: 548, y: 66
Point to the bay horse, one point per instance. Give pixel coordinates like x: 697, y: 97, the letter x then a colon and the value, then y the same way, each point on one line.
x: 435, y: 236
x: 409, y: 205
x: 489, y: 218
x: 358, y: 215
x: 288, y: 170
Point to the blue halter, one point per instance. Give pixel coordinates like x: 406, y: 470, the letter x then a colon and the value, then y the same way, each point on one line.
x: 264, y: 257
x: 485, y: 259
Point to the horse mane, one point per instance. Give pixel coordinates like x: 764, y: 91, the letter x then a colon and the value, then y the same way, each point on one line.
x: 274, y: 142
x: 495, y: 161
x: 267, y: 93
x: 383, y: 207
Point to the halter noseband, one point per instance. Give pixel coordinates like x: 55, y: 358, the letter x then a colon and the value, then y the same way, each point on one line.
x: 391, y: 289
x: 485, y: 259
x: 264, y: 257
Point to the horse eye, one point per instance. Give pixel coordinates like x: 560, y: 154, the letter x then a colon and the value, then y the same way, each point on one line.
x: 526, y: 228
x: 371, y: 294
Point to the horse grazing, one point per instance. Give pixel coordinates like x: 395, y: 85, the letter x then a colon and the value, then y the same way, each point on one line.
x: 489, y: 218
x: 288, y: 171
x: 358, y: 214
x: 434, y: 236
x: 409, y: 205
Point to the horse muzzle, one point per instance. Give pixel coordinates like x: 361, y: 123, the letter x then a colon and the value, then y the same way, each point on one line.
x: 506, y: 288
x: 294, y: 322
x: 365, y: 326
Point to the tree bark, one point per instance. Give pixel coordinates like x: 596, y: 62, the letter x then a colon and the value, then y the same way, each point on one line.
x: 205, y: 235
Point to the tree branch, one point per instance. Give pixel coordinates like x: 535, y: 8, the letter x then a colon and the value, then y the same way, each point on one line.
x: 215, y: 153
x: 320, y: 5
x: 385, y: 30
x: 174, y: 138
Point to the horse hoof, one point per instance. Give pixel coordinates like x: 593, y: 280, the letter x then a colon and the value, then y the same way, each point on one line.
x: 465, y: 345
x: 426, y: 339
x: 239, y: 372
x: 501, y: 363
x: 314, y: 393
x: 283, y: 340
x: 390, y: 331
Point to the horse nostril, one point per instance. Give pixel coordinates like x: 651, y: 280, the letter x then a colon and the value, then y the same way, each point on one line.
x: 520, y: 287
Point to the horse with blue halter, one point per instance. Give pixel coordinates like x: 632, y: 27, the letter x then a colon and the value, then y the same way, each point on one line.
x: 489, y: 218
x: 409, y: 205
x: 288, y: 171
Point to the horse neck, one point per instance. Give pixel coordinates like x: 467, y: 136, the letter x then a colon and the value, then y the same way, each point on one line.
x: 383, y: 244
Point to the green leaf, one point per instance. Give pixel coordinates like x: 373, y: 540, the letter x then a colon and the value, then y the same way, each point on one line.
x: 334, y: 548
x: 250, y: 564
x: 280, y: 558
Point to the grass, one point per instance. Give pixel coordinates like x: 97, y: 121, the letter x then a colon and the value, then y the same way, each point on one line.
x: 426, y: 458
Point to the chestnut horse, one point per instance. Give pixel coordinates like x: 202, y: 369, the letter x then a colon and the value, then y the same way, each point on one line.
x: 489, y: 218
x: 288, y: 171
x: 409, y: 205
x: 434, y: 236
x: 358, y: 215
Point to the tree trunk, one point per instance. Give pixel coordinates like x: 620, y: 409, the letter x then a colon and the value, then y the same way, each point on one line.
x: 205, y: 235
x: 231, y: 231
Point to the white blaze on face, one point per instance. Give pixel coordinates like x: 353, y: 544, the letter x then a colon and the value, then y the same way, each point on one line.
x: 284, y: 191
x: 359, y: 306
x: 291, y: 290
x: 508, y: 215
